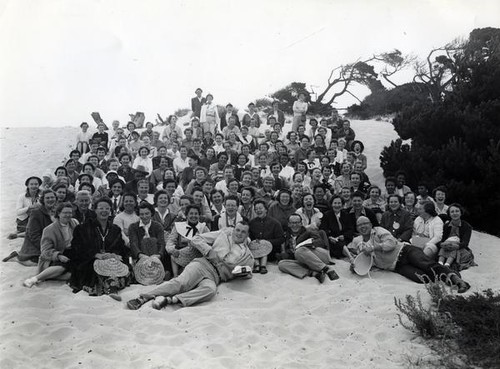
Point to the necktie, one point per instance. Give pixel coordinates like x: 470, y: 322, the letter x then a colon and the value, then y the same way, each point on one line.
x: 115, y: 204
x: 191, y: 227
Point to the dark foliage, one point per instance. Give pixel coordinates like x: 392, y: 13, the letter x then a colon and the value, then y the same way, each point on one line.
x: 456, y: 141
x: 383, y: 102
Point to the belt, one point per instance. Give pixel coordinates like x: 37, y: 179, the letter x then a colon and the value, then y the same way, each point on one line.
x: 215, y: 267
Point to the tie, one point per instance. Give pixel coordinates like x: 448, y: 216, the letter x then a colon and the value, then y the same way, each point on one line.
x: 191, y: 227
x: 115, y: 204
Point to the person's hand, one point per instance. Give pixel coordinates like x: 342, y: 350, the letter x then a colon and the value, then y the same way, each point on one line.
x: 340, y: 238
x: 99, y: 256
x: 62, y: 258
x: 351, y: 267
x: 156, y: 256
x: 332, y: 239
x: 368, y: 249
x: 141, y: 255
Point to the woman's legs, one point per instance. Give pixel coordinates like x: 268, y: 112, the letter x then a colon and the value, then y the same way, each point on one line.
x: 51, y: 272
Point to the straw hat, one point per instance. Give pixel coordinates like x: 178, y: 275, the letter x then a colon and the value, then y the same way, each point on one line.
x: 260, y: 248
x: 149, y: 270
x: 362, y: 264
x: 110, y: 268
x: 187, y: 255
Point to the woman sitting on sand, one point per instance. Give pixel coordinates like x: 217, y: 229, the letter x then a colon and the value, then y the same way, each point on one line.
x: 127, y: 216
x: 39, y: 218
x: 454, y: 248
x: 83, y: 138
x: 56, y: 238
x: 26, y: 203
x: 427, y: 229
x: 98, y: 256
x: 410, y: 200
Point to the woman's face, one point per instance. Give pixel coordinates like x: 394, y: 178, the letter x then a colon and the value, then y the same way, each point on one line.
x: 260, y: 210
x: 70, y: 167
x: 193, y: 216
x: 33, y: 185
x: 198, y: 197
x: 88, y: 170
x: 163, y: 201
x: 210, y: 153
x: 65, y: 215
x: 145, y: 215
x: 217, y: 198
x: 346, y: 169
x: 316, y: 174
x: 129, y: 204
x: 103, y: 211
x: 374, y: 193
x: 308, y: 201
x: 346, y: 194
x: 61, y: 194
x: 357, y: 147
x: 297, y: 193
x: 233, y: 187
x: 200, y: 175
x: 242, y: 160
x: 231, y: 207
x: 298, y: 178
x: 293, y: 137
x: 246, y: 197
x: 246, y: 180
x: 285, y: 199
x: 169, y: 174
x: 208, y: 187
x: 183, y: 204
x: 455, y: 213
x: 117, y: 189
x: 337, y: 204
x: 440, y: 196
x: 410, y: 200
x: 173, y: 120
x: 245, y: 150
x: 394, y: 203
x: 143, y: 153
x: 170, y: 188
x: 49, y: 200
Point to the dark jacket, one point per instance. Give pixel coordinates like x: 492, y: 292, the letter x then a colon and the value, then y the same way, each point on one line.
x: 136, y: 235
x: 82, y: 217
x: 399, y: 223
x: 464, y: 232
x: 331, y: 227
x: 223, y: 120
x: 304, y: 234
x: 196, y: 105
x: 38, y: 220
x: 280, y: 118
x: 270, y: 230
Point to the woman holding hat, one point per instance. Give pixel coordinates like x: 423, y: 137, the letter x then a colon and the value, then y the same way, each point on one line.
x: 83, y: 139
x: 98, y: 255
x: 56, y: 238
x: 143, y: 159
x: 26, y: 202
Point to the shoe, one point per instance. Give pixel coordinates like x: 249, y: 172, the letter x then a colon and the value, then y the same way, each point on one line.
x: 256, y: 269
x: 135, y: 304
x: 160, y: 302
x: 263, y: 270
x: 12, y: 236
x: 320, y: 276
x: 463, y: 287
x: 13, y: 254
x: 332, y: 275
x: 30, y: 282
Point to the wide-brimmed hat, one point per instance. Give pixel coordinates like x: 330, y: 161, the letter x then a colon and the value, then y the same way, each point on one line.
x: 142, y: 169
x: 149, y: 270
x: 187, y: 255
x: 363, y: 263
x: 33, y: 177
x: 260, y: 248
x: 110, y: 268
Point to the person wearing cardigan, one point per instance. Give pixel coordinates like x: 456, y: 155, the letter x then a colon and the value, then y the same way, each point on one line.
x: 56, y: 238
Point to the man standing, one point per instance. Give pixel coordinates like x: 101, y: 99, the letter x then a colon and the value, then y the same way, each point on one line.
x: 229, y: 113
x: 276, y: 113
x: 252, y: 113
x: 222, y: 251
x: 197, y: 102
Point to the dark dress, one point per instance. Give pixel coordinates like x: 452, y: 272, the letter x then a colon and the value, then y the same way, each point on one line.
x: 331, y: 226
x: 87, y: 242
x: 38, y: 220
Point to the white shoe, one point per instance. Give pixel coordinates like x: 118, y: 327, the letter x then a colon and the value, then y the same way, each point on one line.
x: 159, y: 302
x: 30, y: 282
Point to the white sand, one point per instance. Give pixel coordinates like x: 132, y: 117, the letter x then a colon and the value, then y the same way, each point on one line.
x: 271, y: 321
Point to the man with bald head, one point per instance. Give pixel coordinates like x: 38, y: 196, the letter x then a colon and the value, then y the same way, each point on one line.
x: 402, y: 258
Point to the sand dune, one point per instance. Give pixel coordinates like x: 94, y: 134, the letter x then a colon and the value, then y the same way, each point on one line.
x: 270, y: 321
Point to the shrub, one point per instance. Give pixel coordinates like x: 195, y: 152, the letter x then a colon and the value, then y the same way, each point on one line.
x: 182, y: 112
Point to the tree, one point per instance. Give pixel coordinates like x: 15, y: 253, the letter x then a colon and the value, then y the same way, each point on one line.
x: 394, y: 62
x: 455, y: 139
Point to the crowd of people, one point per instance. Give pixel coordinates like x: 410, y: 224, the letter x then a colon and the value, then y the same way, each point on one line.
x: 188, y: 208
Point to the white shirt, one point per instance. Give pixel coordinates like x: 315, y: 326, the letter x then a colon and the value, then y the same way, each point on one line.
x: 180, y: 164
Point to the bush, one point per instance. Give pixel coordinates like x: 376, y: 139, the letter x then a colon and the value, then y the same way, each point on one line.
x: 463, y: 331
x: 182, y: 112
x: 456, y: 142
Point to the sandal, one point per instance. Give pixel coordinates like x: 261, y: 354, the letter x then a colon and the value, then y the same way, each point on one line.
x: 332, y: 275
x: 13, y: 254
x: 136, y: 304
x: 463, y: 287
x: 263, y: 270
x: 256, y: 269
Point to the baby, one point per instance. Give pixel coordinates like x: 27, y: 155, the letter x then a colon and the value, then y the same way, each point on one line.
x: 448, y: 251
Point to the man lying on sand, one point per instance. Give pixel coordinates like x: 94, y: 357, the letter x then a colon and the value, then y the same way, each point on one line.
x: 198, y: 282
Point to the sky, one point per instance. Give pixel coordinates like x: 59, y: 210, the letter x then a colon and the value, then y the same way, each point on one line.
x: 60, y: 60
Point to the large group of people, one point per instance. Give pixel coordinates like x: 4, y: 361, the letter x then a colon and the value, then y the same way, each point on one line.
x: 188, y: 208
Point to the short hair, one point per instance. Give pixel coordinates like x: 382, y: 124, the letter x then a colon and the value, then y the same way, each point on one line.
x: 222, y: 153
x: 125, y: 154
x: 147, y: 205
x: 337, y: 197
x: 390, y: 179
x: 75, y: 152
x: 217, y: 191
x: 439, y: 188
x: 167, y: 181
x: 228, y: 166
x: 358, y: 194
x: 63, y: 168
x: 61, y: 206
x: 319, y: 186
x: 103, y: 199
x: 456, y: 205
x: 294, y: 215
x: 219, y: 134
x: 260, y: 201
x: 188, y: 129
x: 234, y: 198
x: 429, y: 208
x: 249, y: 189
x: 197, y: 189
x: 43, y: 193
x: 192, y: 206
x: 87, y: 165
x: 187, y: 197
x: 157, y: 195
x: 394, y: 196
x: 142, y: 181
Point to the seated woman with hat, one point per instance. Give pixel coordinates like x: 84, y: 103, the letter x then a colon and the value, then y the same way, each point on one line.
x: 183, y: 232
x: 56, y: 238
x: 98, y: 255
x: 147, y: 238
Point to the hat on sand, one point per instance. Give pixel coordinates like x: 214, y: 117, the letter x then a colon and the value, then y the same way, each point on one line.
x: 110, y: 268
x: 33, y: 177
x: 187, y: 255
x: 142, y: 169
x: 149, y: 270
x: 260, y: 248
x: 363, y: 263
